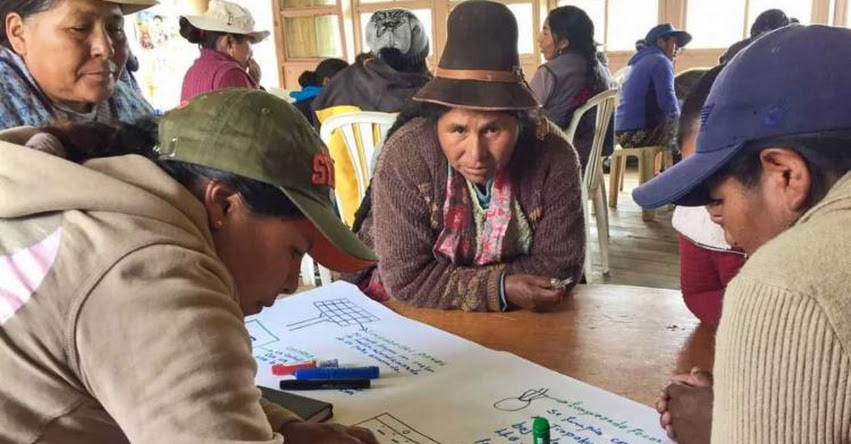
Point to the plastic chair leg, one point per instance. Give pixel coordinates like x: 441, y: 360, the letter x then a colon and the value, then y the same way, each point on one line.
x: 308, y: 273
x: 645, y: 173
x: 325, y: 277
x: 602, y: 186
x: 602, y: 227
x: 614, y: 180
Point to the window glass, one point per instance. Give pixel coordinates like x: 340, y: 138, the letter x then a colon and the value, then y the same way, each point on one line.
x: 715, y: 23
x: 629, y: 20
x: 316, y: 36
x: 596, y: 10
x: 525, y: 34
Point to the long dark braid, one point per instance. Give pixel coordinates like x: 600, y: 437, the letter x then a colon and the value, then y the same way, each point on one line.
x: 573, y: 24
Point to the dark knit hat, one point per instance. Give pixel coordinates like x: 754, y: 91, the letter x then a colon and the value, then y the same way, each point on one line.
x: 768, y: 21
x: 400, y: 29
x: 480, y: 67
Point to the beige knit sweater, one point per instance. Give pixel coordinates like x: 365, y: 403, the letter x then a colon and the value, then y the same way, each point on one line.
x: 782, y: 354
x: 118, y: 322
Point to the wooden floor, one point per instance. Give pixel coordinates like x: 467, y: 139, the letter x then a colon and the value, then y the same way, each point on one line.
x: 640, y: 253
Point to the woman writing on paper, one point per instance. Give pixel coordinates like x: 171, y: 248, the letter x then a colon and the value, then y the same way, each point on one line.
x: 124, y: 278
x: 475, y: 203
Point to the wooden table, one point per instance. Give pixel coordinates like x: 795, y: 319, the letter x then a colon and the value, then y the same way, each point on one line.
x: 626, y: 340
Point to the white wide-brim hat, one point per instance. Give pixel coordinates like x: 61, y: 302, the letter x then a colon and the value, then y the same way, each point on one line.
x: 223, y: 16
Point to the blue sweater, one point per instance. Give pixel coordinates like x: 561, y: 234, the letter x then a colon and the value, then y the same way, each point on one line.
x: 648, y: 97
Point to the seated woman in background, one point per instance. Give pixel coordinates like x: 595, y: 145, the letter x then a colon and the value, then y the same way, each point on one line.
x: 474, y: 205
x: 312, y: 83
x: 225, y: 34
x: 707, y: 262
x: 62, y: 59
x: 572, y: 74
x: 125, y: 279
x: 382, y: 80
x: 648, y: 111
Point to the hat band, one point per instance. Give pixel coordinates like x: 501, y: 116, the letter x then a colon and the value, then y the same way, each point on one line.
x: 480, y: 74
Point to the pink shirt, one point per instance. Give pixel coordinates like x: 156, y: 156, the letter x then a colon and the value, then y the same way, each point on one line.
x: 214, y: 70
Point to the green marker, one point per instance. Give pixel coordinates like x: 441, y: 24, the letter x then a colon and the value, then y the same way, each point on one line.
x: 540, y: 431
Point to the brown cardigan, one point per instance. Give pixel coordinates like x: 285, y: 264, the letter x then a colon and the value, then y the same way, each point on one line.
x: 408, y: 192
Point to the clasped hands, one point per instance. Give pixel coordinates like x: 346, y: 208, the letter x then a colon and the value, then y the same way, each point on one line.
x: 685, y: 407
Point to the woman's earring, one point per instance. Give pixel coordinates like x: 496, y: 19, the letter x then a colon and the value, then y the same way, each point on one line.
x: 220, y: 224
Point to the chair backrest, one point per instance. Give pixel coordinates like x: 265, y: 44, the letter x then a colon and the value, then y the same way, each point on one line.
x: 363, y: 133
x: 621, y: 75
x: 605, y: 104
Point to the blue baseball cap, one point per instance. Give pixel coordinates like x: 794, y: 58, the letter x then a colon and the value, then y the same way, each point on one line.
x: 667, y: 30
x: 791, y: 81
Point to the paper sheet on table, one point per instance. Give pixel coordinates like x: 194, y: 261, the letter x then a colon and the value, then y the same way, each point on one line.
x: 436, y: 387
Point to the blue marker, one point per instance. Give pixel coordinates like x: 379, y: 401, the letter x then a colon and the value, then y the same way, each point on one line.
x: 337, y: 373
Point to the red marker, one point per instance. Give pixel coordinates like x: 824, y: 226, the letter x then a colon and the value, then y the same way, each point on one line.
x: 289, y: 369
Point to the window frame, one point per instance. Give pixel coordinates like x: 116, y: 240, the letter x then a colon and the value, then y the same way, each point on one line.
x: 602, y: 37
x: 348, y: 12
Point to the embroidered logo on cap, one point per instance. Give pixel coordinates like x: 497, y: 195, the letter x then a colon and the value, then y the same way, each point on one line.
x: 323, y: 170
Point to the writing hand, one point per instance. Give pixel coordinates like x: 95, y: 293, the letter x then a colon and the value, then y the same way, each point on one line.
x: 309, y: 433
x: 532, y: 292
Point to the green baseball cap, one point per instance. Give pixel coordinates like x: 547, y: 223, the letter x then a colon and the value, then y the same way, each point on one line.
x: 254, y: 134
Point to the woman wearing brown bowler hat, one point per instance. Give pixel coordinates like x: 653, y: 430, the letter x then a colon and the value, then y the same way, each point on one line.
x: 475, y: 203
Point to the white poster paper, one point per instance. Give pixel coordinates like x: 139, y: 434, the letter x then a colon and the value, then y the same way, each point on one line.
x: 436, y: 387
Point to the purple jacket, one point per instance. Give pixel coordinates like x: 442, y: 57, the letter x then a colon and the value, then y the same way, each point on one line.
x: 214, y: 70
x: 647, y: 98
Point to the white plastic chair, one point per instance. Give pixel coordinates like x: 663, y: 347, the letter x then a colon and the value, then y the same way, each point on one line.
x: 363, y: 133
x: 621, y: 75
x: 593, y: 185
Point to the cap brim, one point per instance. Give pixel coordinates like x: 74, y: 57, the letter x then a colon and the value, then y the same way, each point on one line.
x: 683, y: 38
x: 133, y: 6
x: 208, y: 24
x: 684, y: 183
x: 475, y: 94
x: 333, y: 245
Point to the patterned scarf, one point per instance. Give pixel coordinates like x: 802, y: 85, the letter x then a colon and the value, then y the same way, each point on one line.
x: 476, y: 236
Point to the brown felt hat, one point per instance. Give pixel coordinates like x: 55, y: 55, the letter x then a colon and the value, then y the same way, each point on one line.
x: 480, y: 67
